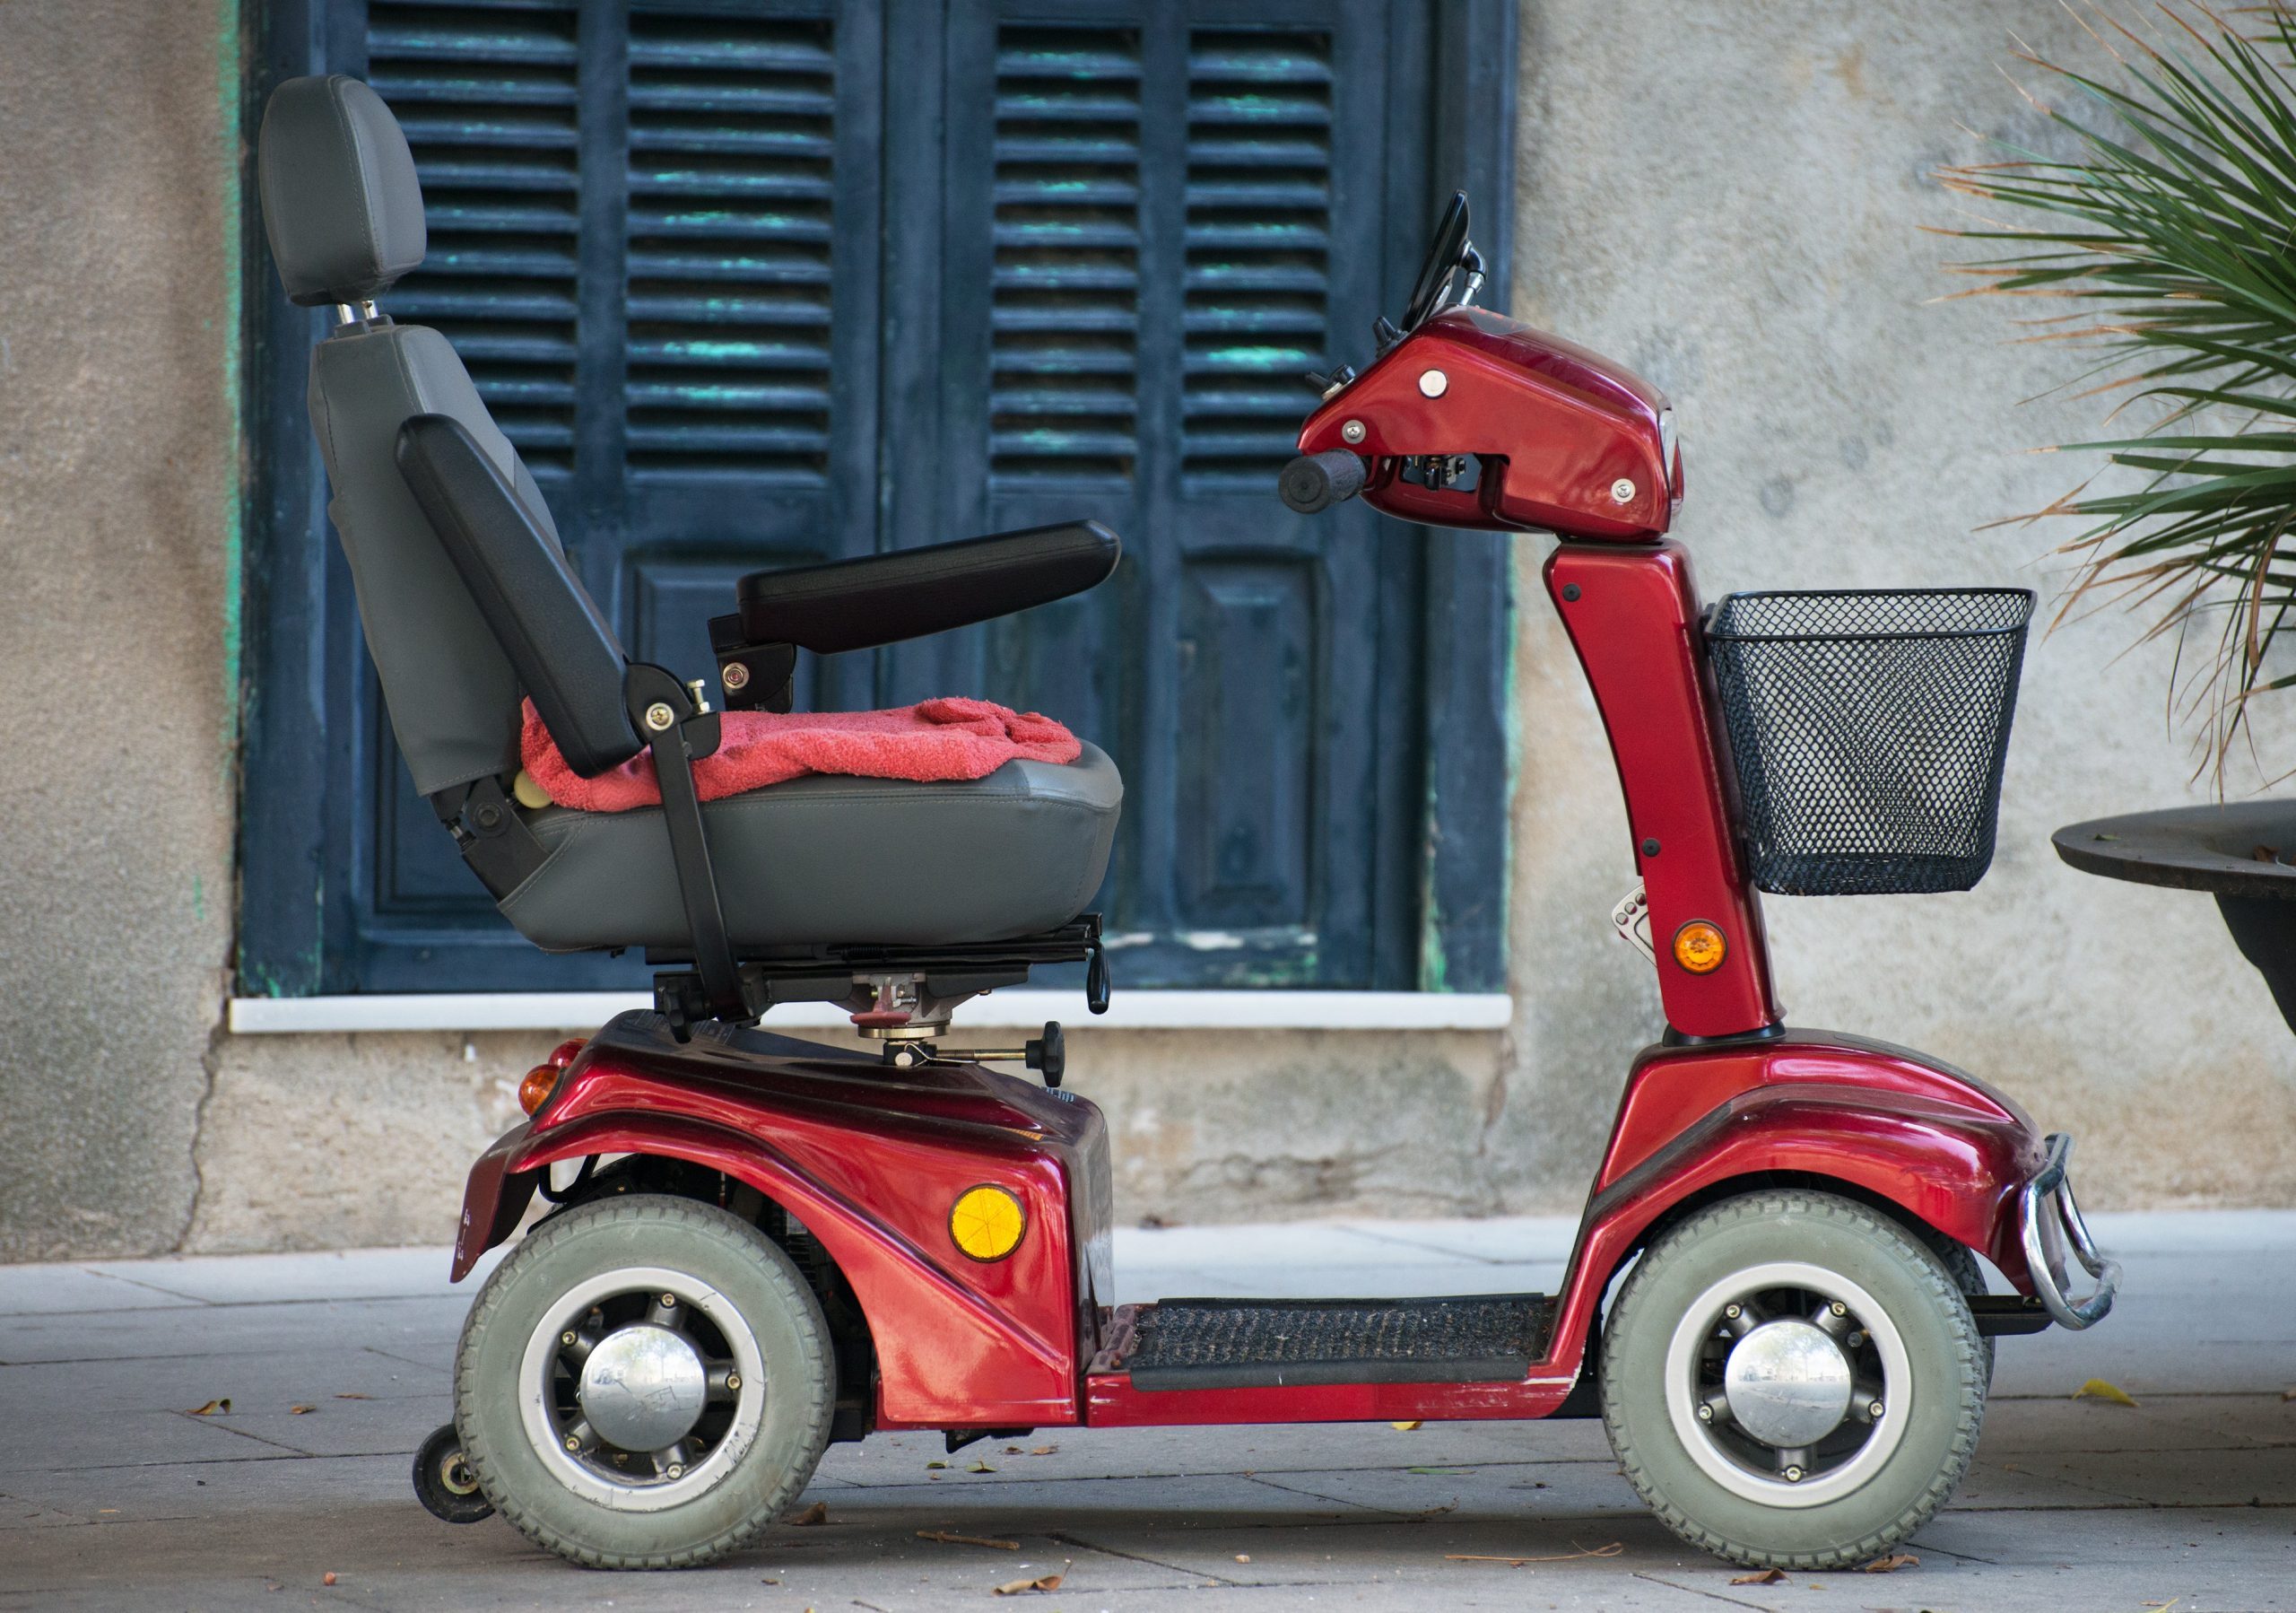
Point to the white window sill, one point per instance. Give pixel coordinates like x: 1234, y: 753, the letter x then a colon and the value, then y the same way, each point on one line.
x: 1128, y: 1011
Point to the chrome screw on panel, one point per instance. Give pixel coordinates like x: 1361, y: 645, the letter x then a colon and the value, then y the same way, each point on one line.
x: 659, y: 716
x: 1792, y: 1475
x: 568, y: 1337
x: 1622, y: 492
x: 736, y: 675
x: 1434, y: 383
x: 1873, y: 1409
x: 1352, y: 432
x: 733, y: 1381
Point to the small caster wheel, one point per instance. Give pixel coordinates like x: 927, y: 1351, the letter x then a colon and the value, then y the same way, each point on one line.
x: 443, y: 1482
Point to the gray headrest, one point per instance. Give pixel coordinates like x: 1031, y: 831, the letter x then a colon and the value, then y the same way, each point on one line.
x: 341, y: 202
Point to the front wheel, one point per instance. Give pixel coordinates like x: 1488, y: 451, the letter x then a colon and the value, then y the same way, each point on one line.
x: 1791, y: 1380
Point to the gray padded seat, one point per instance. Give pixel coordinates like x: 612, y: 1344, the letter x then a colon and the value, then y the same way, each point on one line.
x: 816, y: 860
x: 826, y: 858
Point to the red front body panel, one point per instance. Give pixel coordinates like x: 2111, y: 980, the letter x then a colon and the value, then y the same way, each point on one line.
x: 1888, y: 1123
x: 870, y: 1158
x: 1556, y: 426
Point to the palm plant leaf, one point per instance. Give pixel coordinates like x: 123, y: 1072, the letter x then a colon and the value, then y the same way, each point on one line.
x: 2173, y: 236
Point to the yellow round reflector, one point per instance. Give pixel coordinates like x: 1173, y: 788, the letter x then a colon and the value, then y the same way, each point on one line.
x: 987, y: 1223
x: 1699, y: 948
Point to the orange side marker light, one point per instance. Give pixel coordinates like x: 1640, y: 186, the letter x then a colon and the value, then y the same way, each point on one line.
x: 1699, y: 948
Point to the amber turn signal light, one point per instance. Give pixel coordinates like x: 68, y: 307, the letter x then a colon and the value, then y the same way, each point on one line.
x: 1699, y: 948
x: 534, y: 1091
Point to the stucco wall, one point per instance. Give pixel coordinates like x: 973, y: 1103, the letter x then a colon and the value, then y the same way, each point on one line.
x: 1726, y: 195
x: 118, y: 531
x: 1730, y: 197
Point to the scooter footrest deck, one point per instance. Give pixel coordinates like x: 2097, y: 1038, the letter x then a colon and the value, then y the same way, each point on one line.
x: 1250, y: 1343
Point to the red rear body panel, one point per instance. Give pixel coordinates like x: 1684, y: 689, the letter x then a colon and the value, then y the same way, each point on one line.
x: 871, y: 1159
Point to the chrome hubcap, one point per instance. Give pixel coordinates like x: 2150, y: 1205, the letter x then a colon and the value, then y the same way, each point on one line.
x: 643, y: 1387
x: 1787, y: 1384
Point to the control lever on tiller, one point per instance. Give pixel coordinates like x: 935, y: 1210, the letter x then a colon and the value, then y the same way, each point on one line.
x: 1315, y: 482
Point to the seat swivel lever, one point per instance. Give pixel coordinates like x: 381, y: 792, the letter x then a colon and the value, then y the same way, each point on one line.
x: 1047, y: 1054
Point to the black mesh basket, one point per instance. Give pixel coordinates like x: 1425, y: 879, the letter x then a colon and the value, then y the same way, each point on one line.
x: 1869, y: 729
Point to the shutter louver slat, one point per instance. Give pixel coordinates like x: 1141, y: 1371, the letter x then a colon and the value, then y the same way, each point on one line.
x: 731, y: 132
x: 487, y: 95
x: 1065, y: 296
x: 1258, y: 246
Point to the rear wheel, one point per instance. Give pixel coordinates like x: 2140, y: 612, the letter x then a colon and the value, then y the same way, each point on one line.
x: 1792, y: 1380
x: 646, y: 1382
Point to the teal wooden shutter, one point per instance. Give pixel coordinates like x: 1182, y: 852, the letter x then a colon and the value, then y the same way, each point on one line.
x: 1178, y: 212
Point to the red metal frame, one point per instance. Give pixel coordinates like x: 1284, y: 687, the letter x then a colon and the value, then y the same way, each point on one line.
x: 870, y: 1158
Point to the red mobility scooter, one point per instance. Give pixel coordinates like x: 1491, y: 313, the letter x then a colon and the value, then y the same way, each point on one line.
x: 755, y: 1245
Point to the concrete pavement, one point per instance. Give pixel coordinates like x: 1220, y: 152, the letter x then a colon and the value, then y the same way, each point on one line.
x: 112, y: 1496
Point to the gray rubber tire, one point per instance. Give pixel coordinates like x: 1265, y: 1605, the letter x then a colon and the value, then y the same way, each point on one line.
x: 1922, y: 1302
x: 719, y: 1250
x: 1960, y: 1264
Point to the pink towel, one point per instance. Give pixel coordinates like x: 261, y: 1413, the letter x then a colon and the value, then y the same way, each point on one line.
x: 949, y: 738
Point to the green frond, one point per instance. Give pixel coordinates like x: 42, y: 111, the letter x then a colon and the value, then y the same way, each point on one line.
x: 2173, y: 240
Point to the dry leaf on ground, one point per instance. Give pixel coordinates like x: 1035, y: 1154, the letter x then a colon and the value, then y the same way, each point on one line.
x: 1891, y: 1563
x: 1413, y: 1426
x: 2096, y: 1389
x: 326, y: 1579
x: 1768, y: 1576
x: 1243, y: 1556
x: 221, y: 1407
x: 947, y: 1539
x: 980, y: 1467
x: 935, y: 1464
x: 1042, y: 1450
x: 1050, y: 1582
x: 354, y: 1397
x: 300, y: 1410
x: 816, y: 1513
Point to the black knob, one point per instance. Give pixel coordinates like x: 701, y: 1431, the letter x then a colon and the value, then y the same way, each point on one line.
x: 1315, y: 482
x: 1048, y: 1055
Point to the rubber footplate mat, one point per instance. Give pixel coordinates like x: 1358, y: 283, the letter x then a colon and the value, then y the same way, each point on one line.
x: 1250, y: 1343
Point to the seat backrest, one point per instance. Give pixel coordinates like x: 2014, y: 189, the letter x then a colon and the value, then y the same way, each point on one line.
x: 343, y: 213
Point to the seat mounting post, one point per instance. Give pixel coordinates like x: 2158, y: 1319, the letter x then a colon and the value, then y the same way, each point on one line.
x: 662, y: 712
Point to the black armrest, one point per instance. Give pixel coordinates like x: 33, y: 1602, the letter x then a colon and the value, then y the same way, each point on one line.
x: 908, y: 593
x: 563, y: 651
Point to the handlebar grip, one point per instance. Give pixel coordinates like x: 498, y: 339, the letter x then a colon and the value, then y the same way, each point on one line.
x: 1315, y: 482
